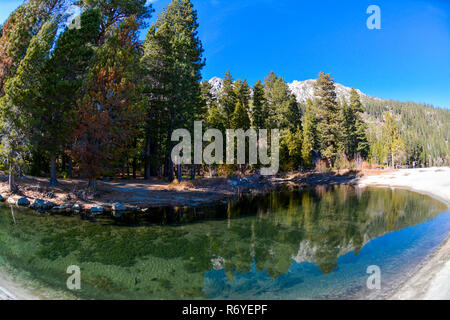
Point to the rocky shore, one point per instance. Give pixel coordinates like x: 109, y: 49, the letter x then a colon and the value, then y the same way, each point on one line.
x: 118, y: 197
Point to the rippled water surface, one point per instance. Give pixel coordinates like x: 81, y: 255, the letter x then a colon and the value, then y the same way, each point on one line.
x: 287, y: 245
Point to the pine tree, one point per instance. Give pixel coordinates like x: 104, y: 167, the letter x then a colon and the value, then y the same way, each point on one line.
x: 228, y: 99
x: 291, y: 149
x: 328, y: 113
x: 22, y: 25
x: 361, y: 141
x: 308, y: 134
x: 63, y: 75
x: 259, y: 106
x: 243, y: 93
x: 240, y: 119
x: 173, y: 62
x: 21, y: 98
x: 282, y: 108
x: 108, y: 112
x: 114, y: 11
x: 347, y: 132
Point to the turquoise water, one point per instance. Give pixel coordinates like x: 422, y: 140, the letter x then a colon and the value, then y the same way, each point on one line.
x: 313, y: 244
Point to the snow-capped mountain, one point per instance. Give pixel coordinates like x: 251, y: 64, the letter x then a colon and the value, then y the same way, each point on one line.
x: 303, y: 90
x: 216, y: 85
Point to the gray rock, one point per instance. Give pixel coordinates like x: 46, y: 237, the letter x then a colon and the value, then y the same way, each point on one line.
x: 23, y: 202
x: 118, y: 207
x: 39, y: 204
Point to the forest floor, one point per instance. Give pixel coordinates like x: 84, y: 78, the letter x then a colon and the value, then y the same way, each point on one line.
x: 154, y: 193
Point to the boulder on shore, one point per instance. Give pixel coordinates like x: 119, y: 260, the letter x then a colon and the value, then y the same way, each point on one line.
x: 24, y: 202
x: 97, y: 210
x: 39, y: 204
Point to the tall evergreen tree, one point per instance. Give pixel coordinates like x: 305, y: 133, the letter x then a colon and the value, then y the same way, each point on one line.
x: 240, y: 119
x: 243, y: 93
x: 259, y: 106
x: 173, y: 62
x: 108, y: 111
x: 308, y: 134
x: 361, y: 141
x: 64, y: 72
x: 282, y: 108
x: 21, y: 97
x: 328, y: 114
x: 227, y: 98
x: 22, y: 25
x: 114, y: 11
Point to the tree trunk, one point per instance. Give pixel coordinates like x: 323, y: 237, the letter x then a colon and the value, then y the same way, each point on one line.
x: 92, y: 185
x: 179, y: 172
x: 70, y: 167
x: 147, y: 159
x: 193, y: 171
x: 134, y: 168
x: 11, y: 182
x: 53, y: 180
x: 63, y: 162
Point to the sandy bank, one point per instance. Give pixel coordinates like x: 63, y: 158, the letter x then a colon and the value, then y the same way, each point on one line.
x: 431, y: 280
x: 432, y: 181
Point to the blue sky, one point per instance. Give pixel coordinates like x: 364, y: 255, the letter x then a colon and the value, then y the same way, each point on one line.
x: 408, y: 59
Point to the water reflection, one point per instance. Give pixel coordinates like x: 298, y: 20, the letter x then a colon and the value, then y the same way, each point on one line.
x: 275, y: 246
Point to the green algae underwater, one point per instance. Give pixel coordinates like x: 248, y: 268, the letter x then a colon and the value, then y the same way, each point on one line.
x: 291, y: 244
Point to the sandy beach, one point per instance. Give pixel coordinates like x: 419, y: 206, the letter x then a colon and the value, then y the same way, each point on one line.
x: 431, y: 280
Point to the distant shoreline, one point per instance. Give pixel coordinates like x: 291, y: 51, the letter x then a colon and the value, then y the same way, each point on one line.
x: 430, y: 281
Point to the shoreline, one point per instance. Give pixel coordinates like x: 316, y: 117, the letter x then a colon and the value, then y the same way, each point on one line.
x: 430, y: 280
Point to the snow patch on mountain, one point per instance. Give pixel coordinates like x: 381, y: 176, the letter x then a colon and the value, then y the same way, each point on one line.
x: 303, y: 90
x: 216, y: 85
